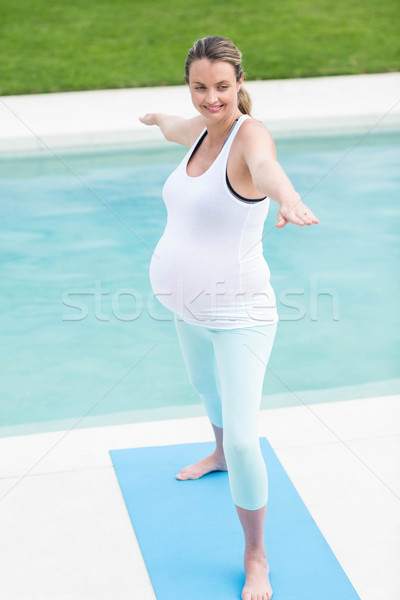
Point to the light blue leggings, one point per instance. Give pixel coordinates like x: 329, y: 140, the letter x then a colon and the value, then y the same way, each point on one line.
x: 227, y: 367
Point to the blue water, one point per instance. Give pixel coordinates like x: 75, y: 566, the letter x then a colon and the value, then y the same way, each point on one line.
x: 81, y: 333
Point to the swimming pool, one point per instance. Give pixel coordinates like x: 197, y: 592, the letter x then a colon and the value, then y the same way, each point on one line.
x: 82, y: 335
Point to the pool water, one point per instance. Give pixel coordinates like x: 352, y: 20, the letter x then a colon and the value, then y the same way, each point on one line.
x: 81, y: 333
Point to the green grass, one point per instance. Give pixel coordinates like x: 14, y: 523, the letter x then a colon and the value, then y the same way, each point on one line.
x: 85, y: 44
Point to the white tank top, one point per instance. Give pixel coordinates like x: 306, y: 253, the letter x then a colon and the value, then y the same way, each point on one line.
x: 208, y: 267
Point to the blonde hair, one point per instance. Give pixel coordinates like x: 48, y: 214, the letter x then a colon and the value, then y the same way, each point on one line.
x: 217, y: 48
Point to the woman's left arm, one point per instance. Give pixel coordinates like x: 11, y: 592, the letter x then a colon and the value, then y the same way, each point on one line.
x: 269, y: 178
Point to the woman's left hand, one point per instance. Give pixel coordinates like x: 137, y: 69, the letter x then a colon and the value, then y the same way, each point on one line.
x: 295, y: 212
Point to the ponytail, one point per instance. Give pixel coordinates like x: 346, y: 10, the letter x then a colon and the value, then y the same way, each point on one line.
x: 244, y: 101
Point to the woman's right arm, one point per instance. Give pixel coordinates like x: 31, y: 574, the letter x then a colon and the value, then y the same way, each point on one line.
x: 176, y: 129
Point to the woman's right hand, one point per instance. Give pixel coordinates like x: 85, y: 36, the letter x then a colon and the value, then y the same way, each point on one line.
x: 149, y: 119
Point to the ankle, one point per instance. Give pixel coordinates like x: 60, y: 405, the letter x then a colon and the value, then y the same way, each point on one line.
x: 255, y: 553
x: 219, y: 454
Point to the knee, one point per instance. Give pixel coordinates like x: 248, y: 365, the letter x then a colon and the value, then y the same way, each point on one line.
x: 204, y: 386
x: 239, y: 447
x: 198, y: 384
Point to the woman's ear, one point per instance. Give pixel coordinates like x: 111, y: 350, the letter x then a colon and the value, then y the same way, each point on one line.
x: 240, y: 81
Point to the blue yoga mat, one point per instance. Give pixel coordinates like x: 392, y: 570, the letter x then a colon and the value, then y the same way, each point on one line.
x: 191, y: 538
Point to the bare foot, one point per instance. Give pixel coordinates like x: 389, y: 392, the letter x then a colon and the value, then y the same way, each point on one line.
x: 213, y: 462
x: 257, y: 586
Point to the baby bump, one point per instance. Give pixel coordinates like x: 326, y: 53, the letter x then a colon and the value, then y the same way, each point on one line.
x: 258, y: 293
x: 191, y: 276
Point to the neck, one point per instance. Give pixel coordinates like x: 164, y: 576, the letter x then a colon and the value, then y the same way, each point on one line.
x: 217, y: 132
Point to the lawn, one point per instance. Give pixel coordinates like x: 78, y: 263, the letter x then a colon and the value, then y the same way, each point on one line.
x: 85, y: 44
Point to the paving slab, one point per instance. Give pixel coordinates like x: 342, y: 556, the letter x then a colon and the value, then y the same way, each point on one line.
x: 103, y: 119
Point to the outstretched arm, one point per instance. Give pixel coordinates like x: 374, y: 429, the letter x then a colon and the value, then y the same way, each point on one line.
x: 175, y: 129
x: 270, y: 179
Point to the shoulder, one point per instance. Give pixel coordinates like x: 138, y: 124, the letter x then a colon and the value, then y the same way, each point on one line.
x: 195, y: 127
x: 254, y: 135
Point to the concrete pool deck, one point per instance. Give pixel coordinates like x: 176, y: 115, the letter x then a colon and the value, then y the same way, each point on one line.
x: 66, y: 533
x: 106, y: 118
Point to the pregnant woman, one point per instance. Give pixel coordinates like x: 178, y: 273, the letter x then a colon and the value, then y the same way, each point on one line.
x: 208, y: 268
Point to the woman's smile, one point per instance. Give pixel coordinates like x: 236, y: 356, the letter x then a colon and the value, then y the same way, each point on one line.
x: 214, y: 109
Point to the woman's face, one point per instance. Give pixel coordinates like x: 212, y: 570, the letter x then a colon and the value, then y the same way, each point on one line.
x: 214, y: 88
